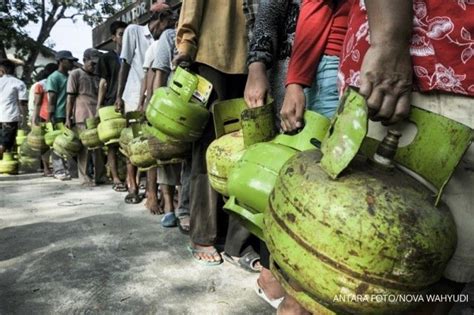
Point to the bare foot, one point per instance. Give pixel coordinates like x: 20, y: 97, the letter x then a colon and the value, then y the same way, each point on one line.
x: 206, y: 253
x: 290, y: 306
x: 270, y: 285
x: 152, y: 204
x: 184, y: 223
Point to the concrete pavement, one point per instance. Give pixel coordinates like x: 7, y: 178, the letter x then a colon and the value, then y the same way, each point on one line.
x: 66, y: 249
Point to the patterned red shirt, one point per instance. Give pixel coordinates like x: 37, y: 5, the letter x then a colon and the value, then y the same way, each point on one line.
x: 442, y: 46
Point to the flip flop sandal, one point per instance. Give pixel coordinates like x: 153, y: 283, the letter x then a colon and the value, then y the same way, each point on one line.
x: 119, y: 187
x: 273, y: 302
x: 184, y: 228
x: 133, y: 198
x: 169, y: 220
x: 247, y: 262
x: 211, y: 252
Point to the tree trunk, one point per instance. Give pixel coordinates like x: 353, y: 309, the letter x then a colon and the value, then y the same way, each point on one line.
x: 29, y: 66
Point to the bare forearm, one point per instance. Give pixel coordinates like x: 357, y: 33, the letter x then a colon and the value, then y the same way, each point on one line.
x: 390, y: 21
x: 102, y: 92
x: 149, y: 85
x: 141, y: 100
x: 122, y: 80
x: 71, y: 99
x: 161, y: 77
x: 36, y: 112
x: 52, y: 100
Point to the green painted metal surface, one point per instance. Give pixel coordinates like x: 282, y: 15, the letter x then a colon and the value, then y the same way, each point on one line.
x: 436, y: 149
x: 90, y: 138
x: 170, y: 114
x: 312, y: 134
x: 345, y: 136
x: 8, y: 165
x: 108, y: 113
x: 140, y: 154
x: 67, y: 144
x: 235, y: 125
x: 227, y: 116
x: 110, y: 129
x: 374, y: 230
x: 36, y: 140
x: 164, y: 147
x: 258, y: 124
x: 221, y: 155
x: 252, y: 179
x: 377, y: 232
x: 183, y: 83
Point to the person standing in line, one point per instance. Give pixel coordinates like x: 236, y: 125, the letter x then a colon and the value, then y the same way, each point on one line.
x: 108, y: 69
x: 13, y: 105
x: 40, y: 110
x: 136, y: 40
x: 56, y: 85
x: 82, y: 90
x: 216, y: 47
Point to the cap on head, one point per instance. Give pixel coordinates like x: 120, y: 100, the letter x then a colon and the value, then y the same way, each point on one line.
x: 159, y: 6
x: 65, y: 54
x: 92, y: 54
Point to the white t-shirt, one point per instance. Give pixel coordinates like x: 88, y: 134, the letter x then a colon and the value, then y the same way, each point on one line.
x: 136, y: 40
x: 150, y: 55
x: 12, y: 91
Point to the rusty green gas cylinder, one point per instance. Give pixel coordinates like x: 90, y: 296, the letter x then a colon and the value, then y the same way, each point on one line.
x: 111, y: 125
x: 221, y: 156
x: 252, y: 179
x: 8, y: 165
x: 173, y: 111
x: 52, y: 131
x: 67, y: 144
x: 372, y: 232
x: 90, y: 136
x: 36, y: 139
x: 20, y: 137
x: 139, y: 151
x: 164, y: 147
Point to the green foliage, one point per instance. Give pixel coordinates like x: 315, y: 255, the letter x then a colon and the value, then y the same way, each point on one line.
x: 16, y: 14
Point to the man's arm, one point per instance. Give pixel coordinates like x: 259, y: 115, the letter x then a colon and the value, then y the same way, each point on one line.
x: 187, y: 32
x: 122, y: 80
x: 161, y: 77
x: 23, y: 104
x: 52, y: 100
x: 150, y: 80
x: 386, y: 71
x: 71, y: 99
x: 141, y: 100
x: 102, y: 92
x: 37, y: 101
x: 127, y: 55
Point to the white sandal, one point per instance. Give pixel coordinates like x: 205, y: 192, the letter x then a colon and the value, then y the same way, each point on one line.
x: 274, y: 303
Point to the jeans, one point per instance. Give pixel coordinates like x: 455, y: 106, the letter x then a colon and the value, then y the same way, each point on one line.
x: 323, y: 96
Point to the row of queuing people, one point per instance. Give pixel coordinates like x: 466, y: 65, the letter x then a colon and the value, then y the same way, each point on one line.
x: 303, y: 54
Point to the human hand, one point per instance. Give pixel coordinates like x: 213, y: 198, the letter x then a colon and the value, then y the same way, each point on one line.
x: 257, y: 86
x: 293, y: 108
x: 119, y: 105
x: 68, y: 123
x: 386, y: 82
x: 181, y: 59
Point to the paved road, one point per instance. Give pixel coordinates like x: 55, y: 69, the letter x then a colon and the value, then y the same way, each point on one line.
x: 66, y: 249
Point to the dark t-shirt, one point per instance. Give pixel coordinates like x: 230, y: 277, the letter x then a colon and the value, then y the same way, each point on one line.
x: 108, y: 68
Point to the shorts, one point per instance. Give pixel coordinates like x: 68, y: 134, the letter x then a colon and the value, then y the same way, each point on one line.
x: 169, y: 174
x: 8, y: 134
